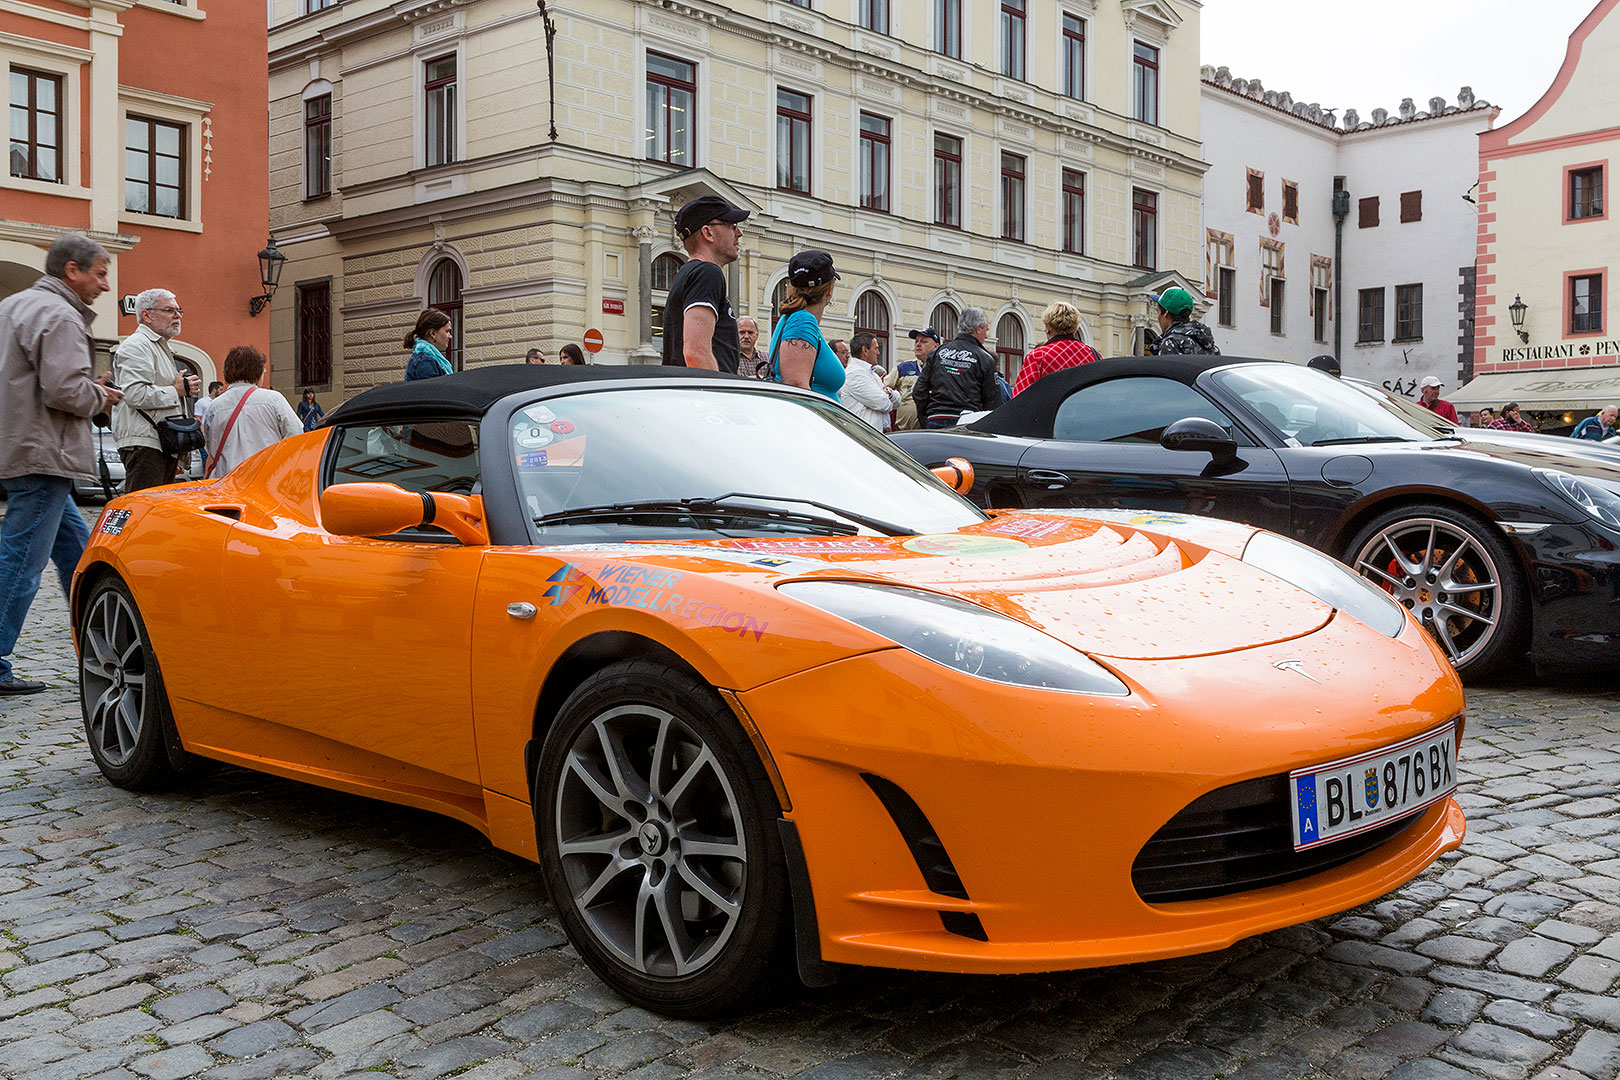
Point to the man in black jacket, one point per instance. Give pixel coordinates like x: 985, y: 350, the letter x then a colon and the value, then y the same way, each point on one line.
x: 959, y: 376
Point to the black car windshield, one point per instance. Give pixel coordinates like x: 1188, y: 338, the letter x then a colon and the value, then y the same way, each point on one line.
x: 1314, y: 409
x: 661, y: 462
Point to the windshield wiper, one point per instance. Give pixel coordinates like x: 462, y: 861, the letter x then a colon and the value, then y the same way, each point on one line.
x: 691, y: 508
x: 887, y: 528
x: 1359, y: 439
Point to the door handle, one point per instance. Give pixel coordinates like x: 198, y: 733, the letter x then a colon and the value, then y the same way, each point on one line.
x: 521, y: 610
x: 1049, y: 477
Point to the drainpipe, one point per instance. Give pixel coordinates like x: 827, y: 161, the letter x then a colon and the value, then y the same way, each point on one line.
x: 1341, y: 210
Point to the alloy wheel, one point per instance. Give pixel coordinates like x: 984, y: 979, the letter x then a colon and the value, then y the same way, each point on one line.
x: 113, y: 677
x: 1441, y: 574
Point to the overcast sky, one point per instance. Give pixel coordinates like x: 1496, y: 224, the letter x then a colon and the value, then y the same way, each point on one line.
x: 1368, y: 54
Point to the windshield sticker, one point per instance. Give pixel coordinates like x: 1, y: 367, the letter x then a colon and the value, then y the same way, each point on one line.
x: 1027, y: 528
x: 853, y: 545
x: 533, y: 436
x: 561, y: 427
x: 113, y: 523
x: 747, y: 559
x: 534, y: 459
x: 964, y: 544
x: 540, y: 414
x: 1151, y: 519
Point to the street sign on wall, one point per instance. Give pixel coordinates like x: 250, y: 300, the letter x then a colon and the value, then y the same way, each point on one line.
x: 613, y: 307
x: 126, y: 305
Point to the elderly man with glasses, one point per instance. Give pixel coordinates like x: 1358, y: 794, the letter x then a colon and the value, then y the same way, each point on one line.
x: 153, y: 387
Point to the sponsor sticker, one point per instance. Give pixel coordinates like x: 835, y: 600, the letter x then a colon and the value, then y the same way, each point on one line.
x: 534, y: 459
x: 540, y: 414
x: 561, y: 427
x: 534, y: 437
x: 1151, y: 519
x: 964, y: 544
x: 1029, y: 528
x: 852, y: 545
x: 113, y: 523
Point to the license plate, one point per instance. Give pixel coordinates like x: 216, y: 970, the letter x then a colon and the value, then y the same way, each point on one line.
x: 1349, y: 796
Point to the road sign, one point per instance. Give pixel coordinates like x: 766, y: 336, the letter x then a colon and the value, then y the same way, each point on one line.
x: 126, y: 304
x: 593, y: 341
x: 613, y: 307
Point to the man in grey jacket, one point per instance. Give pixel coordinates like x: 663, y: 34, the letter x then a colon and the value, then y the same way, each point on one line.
x: 49, y: 395
x: 153, y: 386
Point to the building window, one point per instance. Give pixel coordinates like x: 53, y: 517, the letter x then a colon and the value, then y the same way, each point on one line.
x: 948, y: 181
x: 671, y: 107
x: 312, y: 6
x: 1411, y: 206
x: 793, y: 141
x: 778, y: 298
x: 1012, y: 38
x: 948, y: 34
x: 1009, y: 346
x: 1144, y: 229
x: 1368, y: 208
x: 1585, y: 191
x: 36, y: 125
x: 1290, y: 210
x: 1370, y: 315
x: 1319, y: 314
x: 439, y: 111
x: 872, y: 317
x: 1277, y: 325
x: 1256, y: 192
x: 944, y: 318
x: 154, y: 167
x: 444, y: 293
x: 1226, y: 277
x: 1012, y: 196
x: 874, y: 15
x: 1074, y: 56
x: 315, y: 334
x: 874, y: 162
x: 1586, y: 304
x: 800, y: 3
x: 318, y: 147
x: 1408, y: 312
x: 662, y: 277
x: 1145, y: 84
x: 1074, y: 211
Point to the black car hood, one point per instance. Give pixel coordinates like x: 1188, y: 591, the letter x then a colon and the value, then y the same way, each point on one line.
x: 1599, y: 466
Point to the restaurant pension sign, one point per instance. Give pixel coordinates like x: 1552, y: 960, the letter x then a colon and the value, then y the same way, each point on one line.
x: 1566, y: 351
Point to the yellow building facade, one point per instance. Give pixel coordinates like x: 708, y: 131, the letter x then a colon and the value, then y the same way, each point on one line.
x: 947, y: 153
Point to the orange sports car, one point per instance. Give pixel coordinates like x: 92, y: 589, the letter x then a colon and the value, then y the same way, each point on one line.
x: 752, y: 686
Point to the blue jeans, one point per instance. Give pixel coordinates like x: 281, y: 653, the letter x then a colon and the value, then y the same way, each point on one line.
x: 42, y: 525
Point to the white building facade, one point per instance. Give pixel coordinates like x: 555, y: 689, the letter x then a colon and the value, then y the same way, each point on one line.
x: 1351, y: 238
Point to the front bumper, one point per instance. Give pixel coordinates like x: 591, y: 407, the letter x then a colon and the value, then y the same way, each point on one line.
x: 1574, y: 586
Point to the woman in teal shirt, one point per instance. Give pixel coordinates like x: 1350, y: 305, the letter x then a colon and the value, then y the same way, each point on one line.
x: 800, y: 355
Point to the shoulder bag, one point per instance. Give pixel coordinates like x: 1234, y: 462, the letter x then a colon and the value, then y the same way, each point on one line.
x: 208, y: 469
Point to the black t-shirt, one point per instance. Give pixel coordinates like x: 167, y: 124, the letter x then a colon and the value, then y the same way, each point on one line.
x: 699, y: 282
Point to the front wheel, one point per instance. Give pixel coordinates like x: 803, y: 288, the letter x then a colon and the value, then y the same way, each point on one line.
x: 1454, y: 573
x: 658, y: 841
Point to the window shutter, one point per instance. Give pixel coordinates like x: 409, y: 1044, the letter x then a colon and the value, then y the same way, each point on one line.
x: 1369, y: 212
x: 1411, y: 206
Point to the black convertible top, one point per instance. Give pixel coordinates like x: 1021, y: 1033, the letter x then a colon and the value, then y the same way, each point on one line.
x: 1030, y: 414
x: 469, y: 394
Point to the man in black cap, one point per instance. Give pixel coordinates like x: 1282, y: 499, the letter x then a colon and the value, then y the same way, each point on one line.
x: 699, y: 328
x: 1325, y: 363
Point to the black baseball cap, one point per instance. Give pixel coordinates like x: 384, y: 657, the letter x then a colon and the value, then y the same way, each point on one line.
x: 927, y: 332
x: 810, y: 269
x: 706, y: 210
x: 1325, y: 362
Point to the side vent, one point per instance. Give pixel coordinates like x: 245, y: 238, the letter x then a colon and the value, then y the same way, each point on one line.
x: 938, y: 872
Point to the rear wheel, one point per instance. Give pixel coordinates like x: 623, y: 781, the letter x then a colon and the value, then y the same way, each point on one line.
x: 1454, y: 573
x: 658, y: 840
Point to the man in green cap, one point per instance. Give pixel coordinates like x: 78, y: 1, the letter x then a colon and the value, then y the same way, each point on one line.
x: 1179, y: 332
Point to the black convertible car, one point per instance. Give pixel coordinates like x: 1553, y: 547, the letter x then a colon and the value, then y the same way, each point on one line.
x: 1497, y: 545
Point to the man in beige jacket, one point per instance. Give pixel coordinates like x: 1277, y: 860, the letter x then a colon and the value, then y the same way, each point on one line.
x: 49, y: 395
x: 153, y: 386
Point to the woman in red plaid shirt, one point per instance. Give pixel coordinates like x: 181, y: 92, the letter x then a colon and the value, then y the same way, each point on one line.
x: 1062, y: 348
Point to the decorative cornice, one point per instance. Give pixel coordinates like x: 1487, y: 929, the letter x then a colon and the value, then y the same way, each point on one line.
x: 30, y: 232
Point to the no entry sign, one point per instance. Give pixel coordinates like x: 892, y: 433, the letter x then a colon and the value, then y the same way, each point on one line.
x: 593, y: 341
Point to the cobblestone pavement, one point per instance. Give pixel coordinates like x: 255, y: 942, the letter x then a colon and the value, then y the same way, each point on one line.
x: 253, y: 927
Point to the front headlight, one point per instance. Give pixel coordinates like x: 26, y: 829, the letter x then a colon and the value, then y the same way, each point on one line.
x: 961, y: 636
x: 1594, y: 501
x: 1328, y: 580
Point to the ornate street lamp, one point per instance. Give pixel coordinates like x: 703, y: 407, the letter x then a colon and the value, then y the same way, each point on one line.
x: 551, y: 62
x: 271, y: 261
x: 1516, y: 311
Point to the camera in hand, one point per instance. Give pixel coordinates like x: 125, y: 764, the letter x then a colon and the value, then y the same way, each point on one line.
x: 101, y: 419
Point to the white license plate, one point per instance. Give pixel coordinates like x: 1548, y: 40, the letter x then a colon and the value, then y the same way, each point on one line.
x: 1349, y: 796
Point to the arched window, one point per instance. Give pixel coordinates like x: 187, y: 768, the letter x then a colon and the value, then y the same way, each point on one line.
x: 663, y: 276
x: 872, y: 317
x: 444, y: 293
x: 1009, y: 346
x: 778, y: 298
x: 943, y: 319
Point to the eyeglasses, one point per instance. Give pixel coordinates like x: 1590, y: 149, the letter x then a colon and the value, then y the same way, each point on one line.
x: 176, y: 312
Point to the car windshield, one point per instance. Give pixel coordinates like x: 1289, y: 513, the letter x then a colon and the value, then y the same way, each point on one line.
x: 644, y: 464
x: 1314, y: 409
x: 1406, y: 407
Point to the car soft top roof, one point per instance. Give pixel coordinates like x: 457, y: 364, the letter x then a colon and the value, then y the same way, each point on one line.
x: 1030, y: 413
x: 469, y: 394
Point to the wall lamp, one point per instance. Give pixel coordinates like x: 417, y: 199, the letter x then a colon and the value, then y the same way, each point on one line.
x: 271, y: 261
x: 1516, y: 311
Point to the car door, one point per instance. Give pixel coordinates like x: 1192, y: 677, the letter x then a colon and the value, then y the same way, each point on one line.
x: 1105, y: 452
x: 365, y: 641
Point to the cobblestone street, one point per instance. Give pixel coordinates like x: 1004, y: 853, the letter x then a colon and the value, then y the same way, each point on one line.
x: 254, y: 927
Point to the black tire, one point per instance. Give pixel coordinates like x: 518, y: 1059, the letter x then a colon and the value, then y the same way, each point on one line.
x: 1427, y: 556
x: 127, y: 719
x: 642, y: 765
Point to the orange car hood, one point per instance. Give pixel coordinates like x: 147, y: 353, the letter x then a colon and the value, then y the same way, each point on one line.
x: 1111, y: 588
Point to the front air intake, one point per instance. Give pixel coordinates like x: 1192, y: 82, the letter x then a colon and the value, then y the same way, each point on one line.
x: 928, y: 851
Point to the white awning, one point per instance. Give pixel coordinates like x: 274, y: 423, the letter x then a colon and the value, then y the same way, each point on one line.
x: 1559, y: 388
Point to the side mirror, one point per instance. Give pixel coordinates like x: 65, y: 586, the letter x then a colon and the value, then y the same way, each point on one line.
x: 385, y: 509
x: 957, y: 474
x: 1200, y: 435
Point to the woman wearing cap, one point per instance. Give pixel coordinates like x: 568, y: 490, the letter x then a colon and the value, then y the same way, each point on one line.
x: 1062, y: 348
x: 800, y: 355
x: 1179, y: 333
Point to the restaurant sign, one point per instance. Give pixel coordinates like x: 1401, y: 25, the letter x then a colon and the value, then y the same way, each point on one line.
x: 1568, y: 350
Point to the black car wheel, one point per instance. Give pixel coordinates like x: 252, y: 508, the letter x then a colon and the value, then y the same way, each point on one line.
x: 1454, y: 573
x: 658, y: 841
x: 127, y: 719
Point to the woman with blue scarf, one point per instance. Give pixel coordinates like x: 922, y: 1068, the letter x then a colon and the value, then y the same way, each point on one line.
x: 428, y: 344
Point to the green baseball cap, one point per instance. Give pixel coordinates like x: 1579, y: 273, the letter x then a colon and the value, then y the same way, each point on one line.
x: 1175, y: 301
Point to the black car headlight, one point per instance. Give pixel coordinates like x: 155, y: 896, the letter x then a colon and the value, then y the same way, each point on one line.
x: 1329, y: 580
x: 1593, y: 500
x: 961, y: 636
